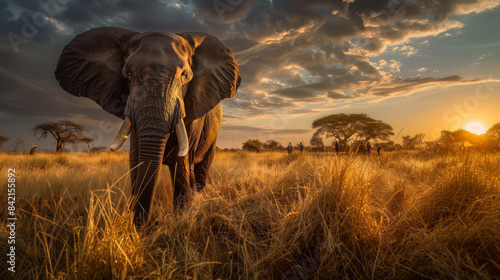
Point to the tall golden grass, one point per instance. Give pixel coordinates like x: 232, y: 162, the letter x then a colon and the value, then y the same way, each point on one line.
x: 403, y: 215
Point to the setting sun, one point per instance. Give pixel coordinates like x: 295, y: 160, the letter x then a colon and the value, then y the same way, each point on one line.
x: 476, y: 128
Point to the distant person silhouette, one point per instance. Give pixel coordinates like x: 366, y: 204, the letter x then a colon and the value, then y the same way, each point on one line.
x: 301, y: 147
x: 368, y: 148
x: 289, y: 148
x: 378, y: 149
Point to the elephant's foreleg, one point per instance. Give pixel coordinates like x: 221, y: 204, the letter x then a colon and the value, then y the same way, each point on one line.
x: 133, y: 162
x: 201, y: 168
x: 180, y: 174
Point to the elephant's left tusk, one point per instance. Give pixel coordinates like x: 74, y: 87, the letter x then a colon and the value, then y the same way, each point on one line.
x: 122, y: 135
x: 182, y: 138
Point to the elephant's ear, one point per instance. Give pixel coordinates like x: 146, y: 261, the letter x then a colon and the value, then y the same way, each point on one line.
x: 91, y: 64
x: 215, y: 74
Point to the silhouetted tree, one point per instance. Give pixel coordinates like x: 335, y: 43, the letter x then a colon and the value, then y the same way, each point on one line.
x: 3, y: 139
x: 494, y: 133
x: 461, y: 136
x: 420, y: 139
x: 272, y: 145
x: 343, y: 127
x: 409, y: 143
x: 374, y: 130
x: 252, y: 145
x: 86, y: 140
x: 388, y: 146
x: 452, y: 140
x: 63, y: 131
x: 317, y: 140
x: 18, y: 144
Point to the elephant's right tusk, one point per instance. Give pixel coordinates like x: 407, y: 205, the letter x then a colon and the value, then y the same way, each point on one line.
x: 182, y: 138
x: 122, y: 135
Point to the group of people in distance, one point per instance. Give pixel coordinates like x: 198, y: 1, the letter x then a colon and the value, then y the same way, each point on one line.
x: 289, y: 148
x: 366, y: 149
x: 363, y: 148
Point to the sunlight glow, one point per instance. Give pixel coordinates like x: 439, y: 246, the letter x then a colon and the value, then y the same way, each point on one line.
x: 476, y: 128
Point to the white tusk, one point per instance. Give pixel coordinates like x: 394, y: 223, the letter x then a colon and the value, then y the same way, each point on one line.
x: 122, y: 135
x: 182, y: 138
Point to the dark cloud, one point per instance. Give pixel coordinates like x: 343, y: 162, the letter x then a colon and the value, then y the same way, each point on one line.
x: 410, y: 85
x: 223, y: 11
x: 339, y: 95
x: 22, y: 97
x: 296, y: 93
x: 244, y: 128
x: 339, y: 28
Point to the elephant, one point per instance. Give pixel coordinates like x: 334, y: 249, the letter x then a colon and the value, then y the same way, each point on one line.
x: 95, y: 150
x: 158, y: 83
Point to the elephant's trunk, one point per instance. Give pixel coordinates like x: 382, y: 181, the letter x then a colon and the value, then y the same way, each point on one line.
x: 153, y: 118
x: 149, y: 156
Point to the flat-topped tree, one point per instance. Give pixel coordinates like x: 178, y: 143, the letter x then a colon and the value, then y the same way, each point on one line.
x: 86, y: 140
x: 272, y: 145
x: 63, y: 131
x: 343, y: 127
x: 376, y: 130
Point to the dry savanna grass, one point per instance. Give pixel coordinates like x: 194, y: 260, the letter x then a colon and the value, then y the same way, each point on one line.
x: 403, y: 215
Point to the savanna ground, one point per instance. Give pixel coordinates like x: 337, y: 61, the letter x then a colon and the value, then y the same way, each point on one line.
x: 403, y: 215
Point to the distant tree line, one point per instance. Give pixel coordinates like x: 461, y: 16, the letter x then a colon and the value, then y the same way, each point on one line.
x: 351, y: 130
x: 254, y: 145
x: 347, y: 131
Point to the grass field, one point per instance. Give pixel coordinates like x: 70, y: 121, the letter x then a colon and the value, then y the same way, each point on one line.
x: 403, y: 215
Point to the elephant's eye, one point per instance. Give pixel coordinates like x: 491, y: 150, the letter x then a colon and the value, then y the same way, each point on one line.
x: 129, y: 73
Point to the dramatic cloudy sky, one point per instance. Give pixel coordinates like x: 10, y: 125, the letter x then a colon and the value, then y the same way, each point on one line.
x: 421, y: 66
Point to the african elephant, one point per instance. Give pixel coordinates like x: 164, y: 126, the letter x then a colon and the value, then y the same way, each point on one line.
x: 95, y: 150
x: 157, y: 82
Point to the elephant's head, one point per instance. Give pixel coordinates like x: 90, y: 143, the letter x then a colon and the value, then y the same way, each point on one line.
x: 155, y: 81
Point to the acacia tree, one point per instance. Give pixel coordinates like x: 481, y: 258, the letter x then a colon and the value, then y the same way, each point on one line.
x: 462, y: 136
x: 63, y: 131
x: 86, y: 140
x: 18, y: 144
x: 3, y: 139
x: 494, y: 133
x: 458, y: 138
x: 272, y: 145
x: 317, y: 140
x: 343, y: 127
x: 374, y: 130
x: 252, y: 145
x: 409, y: 142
